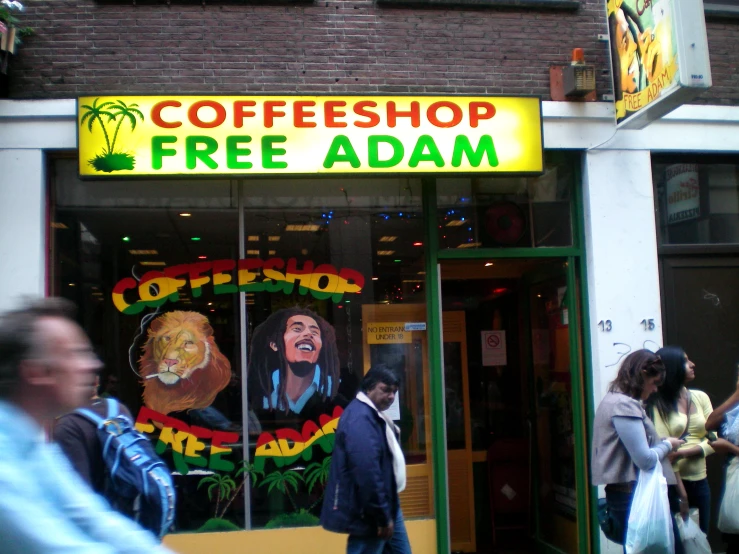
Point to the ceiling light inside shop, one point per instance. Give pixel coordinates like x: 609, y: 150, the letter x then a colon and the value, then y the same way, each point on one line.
x: 422, y: 273
x: 143, y: 252
x: 185, y: 214
x: 375, y: 278
x: 417, y: 243
x: 253, y: 238
x: 470, y: 245
x: 154, y: 263
x: 387, y: 239
x: 272, y: 252
x: 274, y: 238
x: 455, y: 223
x: 202, y: 257
x: 385, y: 252
x: 252, y: 252
x: 58, y: 225
x: 488, y: 264
x: 307, y: 227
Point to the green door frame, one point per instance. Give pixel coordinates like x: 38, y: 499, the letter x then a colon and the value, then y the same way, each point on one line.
x: 582, y: 398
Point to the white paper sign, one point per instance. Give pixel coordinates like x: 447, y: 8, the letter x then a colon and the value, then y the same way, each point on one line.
x: 493, y: 348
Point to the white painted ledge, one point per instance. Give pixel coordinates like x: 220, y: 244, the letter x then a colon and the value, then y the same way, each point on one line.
x: 50, y: 124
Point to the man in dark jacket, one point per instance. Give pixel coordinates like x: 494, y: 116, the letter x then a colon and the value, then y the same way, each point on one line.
x: 368, y: 472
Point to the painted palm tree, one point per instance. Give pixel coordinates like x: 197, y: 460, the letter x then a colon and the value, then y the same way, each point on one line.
x: 317, y: 473
x: 95, y: 113
x: 223, y: 485
x: 249, y: 473
x: 116, y: 111
x: 282, y: 481
x: 120, y: 109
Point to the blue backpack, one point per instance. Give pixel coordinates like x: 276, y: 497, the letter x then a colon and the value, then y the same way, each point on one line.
x: 138, y: 482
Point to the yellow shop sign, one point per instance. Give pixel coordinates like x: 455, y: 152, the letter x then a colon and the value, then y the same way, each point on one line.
x: 122, y: 136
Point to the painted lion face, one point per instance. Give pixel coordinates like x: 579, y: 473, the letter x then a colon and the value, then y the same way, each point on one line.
x: 180, y: 351
x: 181, y: 366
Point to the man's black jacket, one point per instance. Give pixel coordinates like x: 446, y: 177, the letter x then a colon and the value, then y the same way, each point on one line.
x: 361, y: 494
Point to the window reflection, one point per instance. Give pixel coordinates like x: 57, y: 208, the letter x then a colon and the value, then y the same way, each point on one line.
x: 697, y: 199
x: 500, y: 212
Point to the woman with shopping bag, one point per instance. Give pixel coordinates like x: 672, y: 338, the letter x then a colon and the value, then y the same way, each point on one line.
x: 626, y: 444
x: 682, y: 413
x: 725, y: 418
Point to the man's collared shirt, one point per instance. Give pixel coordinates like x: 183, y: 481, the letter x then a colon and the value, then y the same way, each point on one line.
x: 45, y: 506
x: 302, y: 400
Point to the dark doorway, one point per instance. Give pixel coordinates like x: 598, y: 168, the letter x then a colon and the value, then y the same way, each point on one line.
x: 701, y: 314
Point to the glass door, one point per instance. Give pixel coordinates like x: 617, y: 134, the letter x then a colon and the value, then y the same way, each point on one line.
x: 554, y: 359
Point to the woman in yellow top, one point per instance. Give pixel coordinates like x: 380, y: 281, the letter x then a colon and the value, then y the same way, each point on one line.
x: 681, y: 413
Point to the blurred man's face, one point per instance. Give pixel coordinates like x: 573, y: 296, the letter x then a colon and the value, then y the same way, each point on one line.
x: 382, y: 396
x: 70, y: 364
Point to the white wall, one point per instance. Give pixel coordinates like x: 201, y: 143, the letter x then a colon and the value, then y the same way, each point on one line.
x: 22, y: 225
x: 621, y: 255
x: 27, y: 129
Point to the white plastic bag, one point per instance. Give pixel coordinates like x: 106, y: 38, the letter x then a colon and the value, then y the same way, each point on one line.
x: 650, y: 522
x: 694, y: 540
x: 728, y: 515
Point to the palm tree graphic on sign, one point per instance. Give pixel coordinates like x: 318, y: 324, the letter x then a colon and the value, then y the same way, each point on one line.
x: 116, y: 112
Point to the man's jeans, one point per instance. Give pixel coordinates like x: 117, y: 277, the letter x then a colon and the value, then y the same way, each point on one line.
x: 398, y: 543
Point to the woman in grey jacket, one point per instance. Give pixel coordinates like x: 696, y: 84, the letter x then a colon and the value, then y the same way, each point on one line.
x: 625, y: 440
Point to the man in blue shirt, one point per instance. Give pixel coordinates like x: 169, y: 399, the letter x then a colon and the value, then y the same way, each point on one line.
x: 47, y: 368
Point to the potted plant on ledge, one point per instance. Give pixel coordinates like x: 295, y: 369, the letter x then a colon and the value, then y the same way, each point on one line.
x: 11, y: 34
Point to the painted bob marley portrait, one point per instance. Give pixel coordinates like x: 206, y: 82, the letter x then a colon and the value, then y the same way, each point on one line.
x: 181, y: 365
x: 294, y: 361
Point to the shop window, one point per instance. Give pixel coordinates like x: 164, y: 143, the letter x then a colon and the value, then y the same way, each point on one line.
x: 159, y: 270
x: 352, y: 244
x: 485, y: 212
x: 697, y: 200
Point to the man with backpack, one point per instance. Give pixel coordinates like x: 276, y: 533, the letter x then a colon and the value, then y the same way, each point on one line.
x: 118, y: 462
x: 47, y: 368
x: 78, y: 438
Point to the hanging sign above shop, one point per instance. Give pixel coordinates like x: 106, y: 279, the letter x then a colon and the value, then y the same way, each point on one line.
x: 659, y: 52
x: 124, y: 136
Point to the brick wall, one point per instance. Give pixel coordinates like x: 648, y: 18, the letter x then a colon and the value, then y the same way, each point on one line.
x: 328, y: 46
x: 723, y: 46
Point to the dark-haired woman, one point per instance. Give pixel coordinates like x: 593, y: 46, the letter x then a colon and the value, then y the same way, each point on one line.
x: 625, y: 440
x: 682, y: 413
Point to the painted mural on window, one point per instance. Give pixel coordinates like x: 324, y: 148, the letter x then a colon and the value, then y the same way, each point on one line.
x: 238, y: 360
